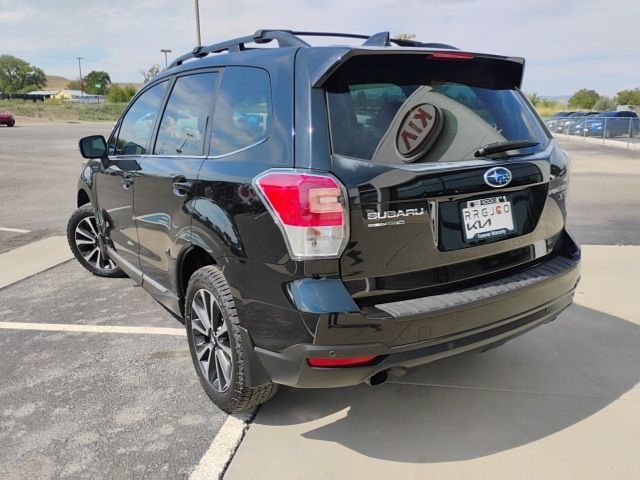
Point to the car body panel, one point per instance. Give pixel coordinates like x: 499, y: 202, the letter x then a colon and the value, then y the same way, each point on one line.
x: 114, y: 186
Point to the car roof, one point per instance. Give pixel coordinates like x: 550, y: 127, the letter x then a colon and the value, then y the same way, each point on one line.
x: 321, y: 61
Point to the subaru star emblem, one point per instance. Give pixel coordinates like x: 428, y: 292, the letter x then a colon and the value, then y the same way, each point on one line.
x: 497, y: 177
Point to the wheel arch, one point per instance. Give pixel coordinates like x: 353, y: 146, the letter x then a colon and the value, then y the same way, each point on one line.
x: 83, y: 198
x: 192, y: 259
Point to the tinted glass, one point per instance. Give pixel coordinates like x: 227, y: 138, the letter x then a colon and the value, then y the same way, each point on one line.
x: 137, y: 124
x: 243, y: 110
x: 434, y: 115
x: 184, y: 121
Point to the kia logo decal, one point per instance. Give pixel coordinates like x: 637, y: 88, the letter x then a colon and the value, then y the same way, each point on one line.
x: 418, y: 130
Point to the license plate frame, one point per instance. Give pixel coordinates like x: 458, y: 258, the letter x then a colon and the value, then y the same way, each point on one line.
x: 487, y: 218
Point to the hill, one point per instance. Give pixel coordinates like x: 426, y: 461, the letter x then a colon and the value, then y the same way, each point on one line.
x: 55, y: 82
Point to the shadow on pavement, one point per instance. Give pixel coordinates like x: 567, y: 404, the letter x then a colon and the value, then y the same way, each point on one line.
x: 476, y: 404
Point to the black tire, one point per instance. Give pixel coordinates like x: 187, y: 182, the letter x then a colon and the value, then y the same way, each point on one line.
x: 11, y: 124
x: 84, y: 244
x: 223, y: 342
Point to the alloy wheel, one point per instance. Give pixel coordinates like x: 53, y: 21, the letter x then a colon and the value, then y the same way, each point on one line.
x: 211, y: 340
x: 86, y: 238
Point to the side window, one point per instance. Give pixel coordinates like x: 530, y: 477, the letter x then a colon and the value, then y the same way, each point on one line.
x: 184, y: 121
x: 243, y: 110
x: 137, y: 124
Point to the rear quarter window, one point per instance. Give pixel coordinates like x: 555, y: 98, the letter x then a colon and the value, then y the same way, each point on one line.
x: 242, y: 113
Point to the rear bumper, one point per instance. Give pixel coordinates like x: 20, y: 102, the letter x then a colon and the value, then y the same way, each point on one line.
x: 481, y: 316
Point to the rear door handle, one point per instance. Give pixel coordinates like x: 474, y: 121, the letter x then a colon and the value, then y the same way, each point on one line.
x: 181, y: 186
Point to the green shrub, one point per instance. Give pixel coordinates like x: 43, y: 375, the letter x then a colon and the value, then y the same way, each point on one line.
x: 118, y: 94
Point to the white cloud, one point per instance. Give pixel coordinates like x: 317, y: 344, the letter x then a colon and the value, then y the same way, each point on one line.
x: 14, y: 11
x: 568, y: 45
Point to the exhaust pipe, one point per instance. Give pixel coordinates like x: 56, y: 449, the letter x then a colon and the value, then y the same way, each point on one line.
x: 378, y: 378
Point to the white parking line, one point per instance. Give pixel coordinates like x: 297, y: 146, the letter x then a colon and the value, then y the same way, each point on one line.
x: 63, y: 327
x: 14, y: 230
x: 221, y: 450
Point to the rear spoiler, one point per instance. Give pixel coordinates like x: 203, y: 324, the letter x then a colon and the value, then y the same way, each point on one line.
x: 504, y: 70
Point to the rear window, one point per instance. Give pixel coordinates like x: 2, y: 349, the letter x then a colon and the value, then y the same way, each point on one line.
x: 436, y: 111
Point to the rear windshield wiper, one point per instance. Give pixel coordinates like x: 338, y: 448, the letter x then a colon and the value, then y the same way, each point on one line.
x: 499, y: 147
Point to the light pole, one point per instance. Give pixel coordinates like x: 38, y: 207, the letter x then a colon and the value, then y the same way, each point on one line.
x: 165, y: 51
x: 198, y: 23
x: 81, y: 82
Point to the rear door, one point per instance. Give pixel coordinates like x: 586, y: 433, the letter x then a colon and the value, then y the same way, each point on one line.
x: 163, y: 186
x: 427, y: 212
x: 115, y: 184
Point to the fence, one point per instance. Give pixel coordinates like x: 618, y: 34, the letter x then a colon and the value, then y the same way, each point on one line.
x: 64, y: 110
x: 619, y: 129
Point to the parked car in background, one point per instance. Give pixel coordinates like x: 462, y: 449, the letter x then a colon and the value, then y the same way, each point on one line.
x: 575, y: 123
x: 555, y: 119
x: 7, y: 118
x: 563, y: 123
x: 612, y: 124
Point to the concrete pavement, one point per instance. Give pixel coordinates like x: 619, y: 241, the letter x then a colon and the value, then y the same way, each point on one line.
x: 561, y: 402
x: 22, y: 262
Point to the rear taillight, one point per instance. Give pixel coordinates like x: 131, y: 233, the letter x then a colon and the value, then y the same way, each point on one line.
x: 310, y: 209
x: 341, y: 362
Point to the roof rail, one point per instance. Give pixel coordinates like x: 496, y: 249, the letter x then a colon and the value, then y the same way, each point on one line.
x: 290, y: 38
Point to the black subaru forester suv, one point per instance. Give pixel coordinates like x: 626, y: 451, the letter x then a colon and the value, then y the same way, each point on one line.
x: 326, y: 216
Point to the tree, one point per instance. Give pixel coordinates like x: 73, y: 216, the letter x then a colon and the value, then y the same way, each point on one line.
x: 534, y: 98
x: 628, y: 97
x: 118, y: 94
x: 150, y: 73
x: 74, y: 85
x: 28, y: 88
x: 605, y: 104
x: 584, y: 99
x: 97, y: 82
x: 16, y: 74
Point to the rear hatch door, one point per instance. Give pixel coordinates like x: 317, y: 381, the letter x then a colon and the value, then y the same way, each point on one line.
x: 429, y: 211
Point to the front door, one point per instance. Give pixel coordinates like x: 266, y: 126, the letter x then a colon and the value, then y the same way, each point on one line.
x: 163, y: 184
x: 115, y: 184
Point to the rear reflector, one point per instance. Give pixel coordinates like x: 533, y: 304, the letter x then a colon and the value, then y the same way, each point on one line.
x: 341, y: 362
x: 310, y: 209
x: 451, y: 56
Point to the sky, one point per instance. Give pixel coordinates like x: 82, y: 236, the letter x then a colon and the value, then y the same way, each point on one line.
x: 567, y: 44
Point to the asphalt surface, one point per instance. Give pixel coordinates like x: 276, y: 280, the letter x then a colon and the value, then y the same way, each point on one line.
x: 40, y: 166
x: 96, y: 405
x: 108, y: 405
x: 603, y: 194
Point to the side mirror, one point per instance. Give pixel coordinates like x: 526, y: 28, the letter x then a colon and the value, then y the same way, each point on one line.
x: 93, y: 146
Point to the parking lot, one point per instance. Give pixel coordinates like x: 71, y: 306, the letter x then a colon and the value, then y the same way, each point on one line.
x: 97, y: 381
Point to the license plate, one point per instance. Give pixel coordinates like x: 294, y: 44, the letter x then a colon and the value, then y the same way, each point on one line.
x: 487, y: 218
